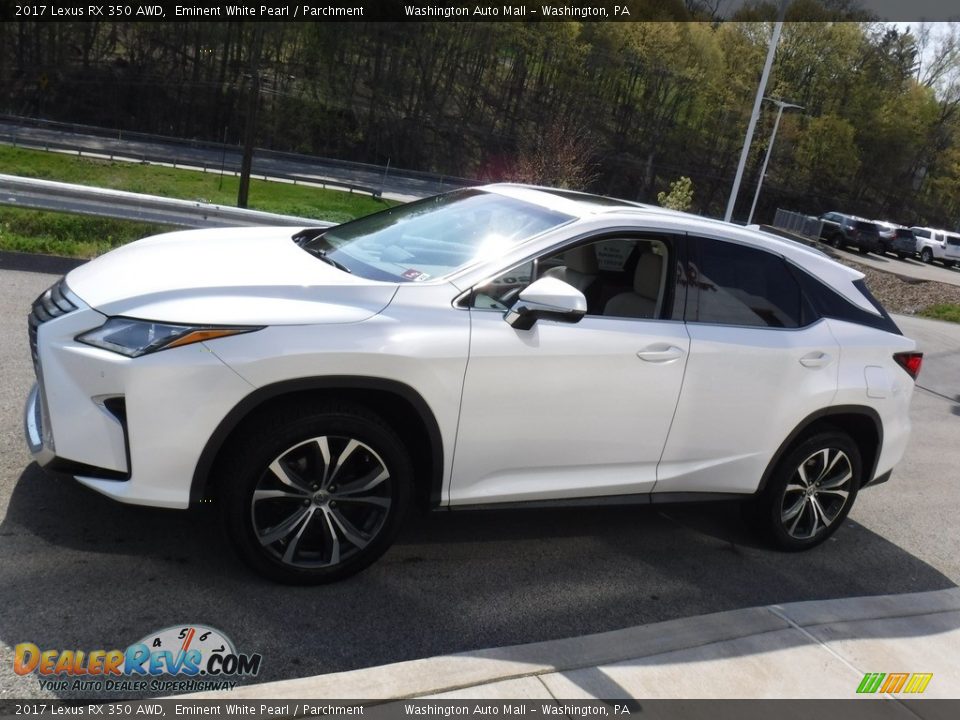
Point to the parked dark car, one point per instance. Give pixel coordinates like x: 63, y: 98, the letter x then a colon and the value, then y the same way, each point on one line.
x: 897, y: 239
x: 904, y: 243
x: 841, y: 230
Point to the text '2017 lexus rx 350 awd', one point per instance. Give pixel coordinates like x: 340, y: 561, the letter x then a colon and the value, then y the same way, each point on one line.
x: 494, y: 345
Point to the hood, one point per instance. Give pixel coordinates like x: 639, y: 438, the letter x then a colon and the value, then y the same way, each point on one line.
x: 242, y: 276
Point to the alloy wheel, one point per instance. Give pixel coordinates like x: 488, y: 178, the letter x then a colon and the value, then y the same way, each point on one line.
x: 816, y: 493
x: 321, y: 501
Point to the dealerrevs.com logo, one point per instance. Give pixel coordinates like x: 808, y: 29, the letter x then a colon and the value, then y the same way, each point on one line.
x: 184, y: 658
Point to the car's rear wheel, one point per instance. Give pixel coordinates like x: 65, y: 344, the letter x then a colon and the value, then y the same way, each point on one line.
x: 901, y: 255
x: 810, y: 492
x: 926, y: 255
x: 315, y: 496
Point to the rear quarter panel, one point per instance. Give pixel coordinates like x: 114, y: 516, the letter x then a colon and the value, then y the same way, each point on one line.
x: 869, y: 376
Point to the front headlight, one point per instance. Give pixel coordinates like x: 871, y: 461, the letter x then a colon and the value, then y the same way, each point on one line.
x: 134, y: 338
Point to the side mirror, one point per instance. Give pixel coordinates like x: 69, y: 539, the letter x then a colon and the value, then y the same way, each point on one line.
x: 547, y: 298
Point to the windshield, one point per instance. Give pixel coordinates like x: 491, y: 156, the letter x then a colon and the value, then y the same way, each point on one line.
x: 433, y: 237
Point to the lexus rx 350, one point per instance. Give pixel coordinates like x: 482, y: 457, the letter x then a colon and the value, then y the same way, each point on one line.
x: 490, y: 346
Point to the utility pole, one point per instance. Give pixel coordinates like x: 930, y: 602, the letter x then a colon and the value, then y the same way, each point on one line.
x: 781, y: 105
x: 771, y: 51
x: 250, y: 131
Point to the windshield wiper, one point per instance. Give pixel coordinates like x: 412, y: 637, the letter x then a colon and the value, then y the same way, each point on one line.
x: 309, y: 234
x: 322, y: 254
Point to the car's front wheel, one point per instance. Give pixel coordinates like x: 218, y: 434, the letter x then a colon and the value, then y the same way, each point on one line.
x: 926, y: 255
x: 314, y: 496
x: 810, y: 492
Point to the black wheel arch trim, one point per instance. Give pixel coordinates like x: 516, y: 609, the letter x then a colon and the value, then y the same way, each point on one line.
x: 826, y: 414
x: 204, y: 466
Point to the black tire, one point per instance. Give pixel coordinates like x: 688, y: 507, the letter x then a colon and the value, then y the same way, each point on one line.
x: 863, y: 250
x: 926, y: 255
x: 328, y: 454
x: 901, y: 255
x: 770, y: 512
x: 836, y: 240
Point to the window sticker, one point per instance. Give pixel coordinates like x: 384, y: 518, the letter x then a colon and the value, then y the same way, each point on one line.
x: 415, y: 275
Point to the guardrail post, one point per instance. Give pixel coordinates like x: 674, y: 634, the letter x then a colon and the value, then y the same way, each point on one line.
x: 383, y: 185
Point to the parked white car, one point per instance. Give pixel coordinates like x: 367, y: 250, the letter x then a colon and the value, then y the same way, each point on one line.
x: 951, y: 253
x: 491, y: 346
x: 932, y: 245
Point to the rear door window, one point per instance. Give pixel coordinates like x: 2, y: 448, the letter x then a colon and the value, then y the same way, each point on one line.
x: 740, y: 285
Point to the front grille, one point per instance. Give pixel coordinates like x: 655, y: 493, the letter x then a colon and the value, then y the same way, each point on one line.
x: 52, y: 303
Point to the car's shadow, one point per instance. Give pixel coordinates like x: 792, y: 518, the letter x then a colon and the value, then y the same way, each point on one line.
x: 80, y: 571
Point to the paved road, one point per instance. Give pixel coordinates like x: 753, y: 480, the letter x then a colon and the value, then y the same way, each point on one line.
x: 79, y: 571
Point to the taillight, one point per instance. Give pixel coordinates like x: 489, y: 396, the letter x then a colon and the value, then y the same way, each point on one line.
x: 910, y: 361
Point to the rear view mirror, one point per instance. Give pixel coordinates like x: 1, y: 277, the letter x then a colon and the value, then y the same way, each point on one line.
x: 547, y: 298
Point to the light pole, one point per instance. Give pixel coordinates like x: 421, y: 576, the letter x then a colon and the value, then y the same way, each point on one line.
x: 745, y: 150
x: 781, y: 105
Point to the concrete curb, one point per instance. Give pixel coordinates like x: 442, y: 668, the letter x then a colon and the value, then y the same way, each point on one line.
x: 435, y: 675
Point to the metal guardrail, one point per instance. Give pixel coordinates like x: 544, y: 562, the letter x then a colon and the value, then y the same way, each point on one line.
x: 229, y: 166
x: 58, y: 196
x: 808, y: 225
x: 433, y: 182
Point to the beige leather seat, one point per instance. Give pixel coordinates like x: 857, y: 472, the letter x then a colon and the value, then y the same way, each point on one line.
x: 579, y: 269
x: 642, y: 302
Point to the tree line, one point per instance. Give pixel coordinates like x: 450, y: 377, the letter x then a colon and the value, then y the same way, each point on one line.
x: 622, y: 108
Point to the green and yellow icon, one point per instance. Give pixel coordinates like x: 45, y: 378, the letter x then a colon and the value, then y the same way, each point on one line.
x: 894, y: 683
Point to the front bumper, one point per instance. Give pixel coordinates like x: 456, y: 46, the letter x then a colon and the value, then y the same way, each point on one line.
x: 130, y: 428
x: 33, y: 428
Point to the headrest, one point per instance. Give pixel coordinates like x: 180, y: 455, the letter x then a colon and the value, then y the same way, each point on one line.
x: 583, y: 259
x: 646, y: 278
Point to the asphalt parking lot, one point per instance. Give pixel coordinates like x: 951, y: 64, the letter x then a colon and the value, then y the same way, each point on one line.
x: 908, y: 267
x: 80, y: 571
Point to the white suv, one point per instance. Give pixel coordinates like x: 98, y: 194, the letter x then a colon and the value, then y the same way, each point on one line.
x: 490, y: 346
x: 951, y: 253
x: 933, y: 244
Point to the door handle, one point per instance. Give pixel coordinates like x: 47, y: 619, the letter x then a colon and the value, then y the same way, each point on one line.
x: 660, y: 353
x: 815, y: 360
